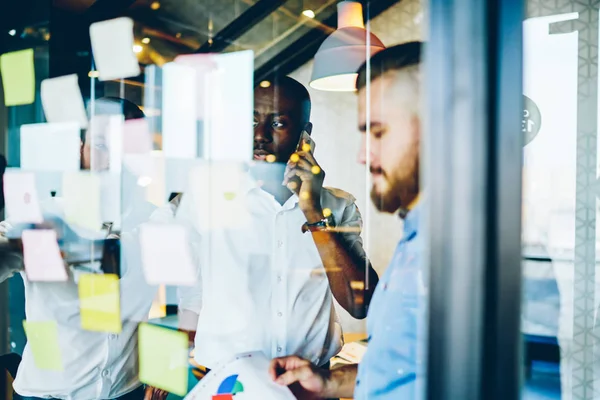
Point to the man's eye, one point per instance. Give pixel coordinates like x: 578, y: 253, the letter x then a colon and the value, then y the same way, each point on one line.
x: 277, y: 124
x: 255, y: 123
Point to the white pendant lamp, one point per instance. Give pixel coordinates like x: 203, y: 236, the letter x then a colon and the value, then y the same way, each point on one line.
x: 344, y: 51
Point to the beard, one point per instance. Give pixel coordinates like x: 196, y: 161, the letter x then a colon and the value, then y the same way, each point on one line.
x: 402, y: 188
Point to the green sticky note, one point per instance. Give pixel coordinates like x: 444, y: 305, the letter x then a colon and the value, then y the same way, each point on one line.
x: 18, y: 77
x: 42, y: 338
x: 163, y: 358
x: 99, y: 304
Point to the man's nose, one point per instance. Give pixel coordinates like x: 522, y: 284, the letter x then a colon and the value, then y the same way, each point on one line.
x: 362, y: 151
x: 262, y: 133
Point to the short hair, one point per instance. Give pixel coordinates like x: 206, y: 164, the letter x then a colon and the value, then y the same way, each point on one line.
x: 391, y: 59
x: 297, y: 91
x: 118, y: 105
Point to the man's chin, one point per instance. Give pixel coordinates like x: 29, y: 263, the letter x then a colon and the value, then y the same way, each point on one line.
x: 385, y: 201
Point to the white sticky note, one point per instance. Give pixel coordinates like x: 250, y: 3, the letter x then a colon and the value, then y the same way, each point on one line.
x: 112, y: 45
x: 104, y: 143
x: 62, y: 100
x: 81, y: 195
x: 136, y: 137
x: 51, y: 147
x: 217, y: 196
x: 166, y: 254
x: 21, y: 198
x: 179, y: 126
x: 41, y: 256
x: 245, y: 376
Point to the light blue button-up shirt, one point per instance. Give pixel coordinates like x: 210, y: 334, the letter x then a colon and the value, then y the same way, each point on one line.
x: 393, y: 366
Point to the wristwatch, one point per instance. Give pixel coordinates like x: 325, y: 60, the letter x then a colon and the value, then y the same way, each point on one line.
x: 325, y: 224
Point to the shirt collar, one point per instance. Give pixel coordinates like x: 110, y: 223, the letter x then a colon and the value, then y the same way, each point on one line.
x: 411, y: 221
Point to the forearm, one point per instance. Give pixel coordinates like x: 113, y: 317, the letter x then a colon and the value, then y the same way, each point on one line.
x: 347, y: 271
x: 341, y: 382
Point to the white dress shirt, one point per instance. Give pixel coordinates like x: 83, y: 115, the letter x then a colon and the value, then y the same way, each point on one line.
x: 262, y: 286
x: 96, y: 365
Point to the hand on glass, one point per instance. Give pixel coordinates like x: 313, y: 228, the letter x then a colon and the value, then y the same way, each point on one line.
x: 291, y: 370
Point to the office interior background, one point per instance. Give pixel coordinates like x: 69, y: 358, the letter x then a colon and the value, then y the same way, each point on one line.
x: 531, y: 65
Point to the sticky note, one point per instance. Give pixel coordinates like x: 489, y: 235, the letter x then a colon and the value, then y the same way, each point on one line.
x: 18, y: 77
x: 51, y: 147
x: 62, y: 101
x: 166, y: 254
x: 41, y: 256
x: 217, y: 196
x: 81, y: 195
x: 136, y: 137
x: 163, y: 358
x: 112, y: 45
x: 21, y: 198
x: 99, y: 303
x: 179, y: 126
x: 103, y: 143
x: 42, y: 340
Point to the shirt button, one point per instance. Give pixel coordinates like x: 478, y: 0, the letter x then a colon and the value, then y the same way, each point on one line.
x: 279, y: 314
x: 279, y: 349
x: 278, y: 278
x: 112, y: 336
x: 105, y: 373
x: 279, y: 244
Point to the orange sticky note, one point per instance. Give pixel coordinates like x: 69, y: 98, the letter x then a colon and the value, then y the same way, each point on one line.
x: 99, y: 303
x: 18, y: 77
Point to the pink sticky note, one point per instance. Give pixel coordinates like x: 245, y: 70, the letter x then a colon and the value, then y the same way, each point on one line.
x: 41, y: 256
x: 136, y: 137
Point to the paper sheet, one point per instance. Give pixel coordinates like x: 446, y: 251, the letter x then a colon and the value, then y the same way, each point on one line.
x: 163, y: 358
x: 112, y: 45
x: 81, y: 193
x: 99, y: 303
x: 136, y: 137
x: 217, y: 196
x: 51, y: 147
x: 18, y: 77
x: 42, y: 339
x: 62, y: 101
x: 179, y: 123
x: 41, y: 256
x: 166, y: 254
x: 244, y: 377
x: 21, y: 198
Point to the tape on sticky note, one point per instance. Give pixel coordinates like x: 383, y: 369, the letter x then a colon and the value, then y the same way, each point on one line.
x: 18, y: 77
x: 163, y: 358
x: 42, y: 339
x: 99, y: 303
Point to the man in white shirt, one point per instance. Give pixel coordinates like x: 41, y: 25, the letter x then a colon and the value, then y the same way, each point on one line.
x: 268, y: 285
x: 96, y: 365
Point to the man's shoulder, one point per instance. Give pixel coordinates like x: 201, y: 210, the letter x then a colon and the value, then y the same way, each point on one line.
x: 336, y: 196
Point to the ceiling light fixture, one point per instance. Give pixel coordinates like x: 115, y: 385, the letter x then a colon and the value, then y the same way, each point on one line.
x: 308, y: 13
x: 146, y: 40
x: 137, y: 48
x: 155, y: 5
x: 12, y: 32
x: 265, y: 84
x: 344, y: 51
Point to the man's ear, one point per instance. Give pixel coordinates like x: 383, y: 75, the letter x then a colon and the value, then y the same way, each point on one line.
x: 308, y: 127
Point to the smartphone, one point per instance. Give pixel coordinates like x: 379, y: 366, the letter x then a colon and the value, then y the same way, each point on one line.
x: 306, y: 138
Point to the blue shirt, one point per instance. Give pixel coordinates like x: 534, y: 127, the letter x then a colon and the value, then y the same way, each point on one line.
x: 393, y: 366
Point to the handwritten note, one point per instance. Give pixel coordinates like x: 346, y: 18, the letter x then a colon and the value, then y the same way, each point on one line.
x: 99, y: 303
x: 21, y: 198
x: 163, y: 358
x: 166, y: 254
x: 42, y: 340
x: 41, y: 256
x: 112, y: 45
x: 81, y: 193
x: 62, y: 101
x: 18, y: 77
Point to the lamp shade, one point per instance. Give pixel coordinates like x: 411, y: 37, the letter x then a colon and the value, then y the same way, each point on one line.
x: 344, y: 51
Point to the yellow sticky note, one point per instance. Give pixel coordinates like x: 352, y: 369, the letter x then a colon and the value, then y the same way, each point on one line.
x: 99, y: 303
x: 18, y: 77
x: 42, y: 338
x: 81, y: 194
x: 163, y: 358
